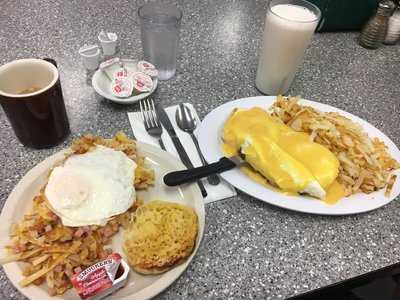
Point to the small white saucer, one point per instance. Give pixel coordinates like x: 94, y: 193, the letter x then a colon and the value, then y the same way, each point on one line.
x: 102, y: 85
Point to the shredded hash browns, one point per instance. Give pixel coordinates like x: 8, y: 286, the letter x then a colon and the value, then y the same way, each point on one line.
x: 54, y: 252
x: 365, y: 164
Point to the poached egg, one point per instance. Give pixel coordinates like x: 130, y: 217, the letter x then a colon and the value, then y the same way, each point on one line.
x: 286, y: 158
x: 90, y: 188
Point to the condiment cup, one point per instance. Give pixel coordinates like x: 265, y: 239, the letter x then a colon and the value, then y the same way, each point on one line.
x: 108, y: 41
x: 90, y: 56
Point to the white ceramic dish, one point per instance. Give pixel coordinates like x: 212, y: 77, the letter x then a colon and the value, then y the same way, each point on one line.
x: 138, y: 286
x: 209, y: 133
x: 102, y: 86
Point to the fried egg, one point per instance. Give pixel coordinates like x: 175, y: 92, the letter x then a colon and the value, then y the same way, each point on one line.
x: 90, y: 188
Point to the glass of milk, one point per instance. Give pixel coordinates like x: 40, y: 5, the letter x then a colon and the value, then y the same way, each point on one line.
x: 289, y: 27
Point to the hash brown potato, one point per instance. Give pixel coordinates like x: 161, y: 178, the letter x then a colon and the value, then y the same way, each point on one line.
x: 365, y: 164
x: 54, y: 252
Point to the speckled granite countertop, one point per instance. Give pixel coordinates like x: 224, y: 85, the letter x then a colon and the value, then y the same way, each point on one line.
x: 250, y: 249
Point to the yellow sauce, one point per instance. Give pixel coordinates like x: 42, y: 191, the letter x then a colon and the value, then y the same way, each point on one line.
x: 257, y: 177
x: 277, y: 153
x: 334, y: 193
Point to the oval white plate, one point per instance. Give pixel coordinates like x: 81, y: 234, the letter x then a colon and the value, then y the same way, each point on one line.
x: 138, y: 286
x: 209, y: 134
x: 102, y: 86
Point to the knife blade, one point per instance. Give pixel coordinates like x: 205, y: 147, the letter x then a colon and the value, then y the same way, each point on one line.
x: 166, y: 122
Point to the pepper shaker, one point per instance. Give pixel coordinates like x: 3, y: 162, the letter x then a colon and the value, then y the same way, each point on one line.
x: 374, y: 32
x: 393, y: 31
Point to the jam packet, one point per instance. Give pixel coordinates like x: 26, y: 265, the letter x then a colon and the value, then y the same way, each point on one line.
x: 101, y: 279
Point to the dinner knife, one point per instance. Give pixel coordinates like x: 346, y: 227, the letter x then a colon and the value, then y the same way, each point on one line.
x: 166, y: 122
x: 189, y: 175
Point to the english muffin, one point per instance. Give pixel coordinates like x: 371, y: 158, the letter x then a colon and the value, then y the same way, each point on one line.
x: 160, y: 236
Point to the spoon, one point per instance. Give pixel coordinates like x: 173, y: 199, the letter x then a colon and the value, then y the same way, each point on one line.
x: 187, y: 123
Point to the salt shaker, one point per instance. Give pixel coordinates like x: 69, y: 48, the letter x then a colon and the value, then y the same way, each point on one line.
x: 393, y: 31
x: 374, y: 32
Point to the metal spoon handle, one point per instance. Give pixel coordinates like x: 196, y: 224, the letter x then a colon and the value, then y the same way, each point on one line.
x: 212, y: 179
x: 160, y: 141
x: 196, y: 143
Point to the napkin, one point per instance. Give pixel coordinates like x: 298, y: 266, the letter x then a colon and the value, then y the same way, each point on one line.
x: 215, y: 192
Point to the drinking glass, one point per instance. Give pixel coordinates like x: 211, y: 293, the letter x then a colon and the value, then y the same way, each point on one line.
x: 159, y: 26
x: 289, y: 27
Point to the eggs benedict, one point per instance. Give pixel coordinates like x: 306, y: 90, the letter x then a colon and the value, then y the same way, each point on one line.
x: 286, y: 158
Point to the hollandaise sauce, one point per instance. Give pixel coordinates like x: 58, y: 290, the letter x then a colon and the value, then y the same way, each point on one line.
x: 257, y: 177
x: 287, y: 158
x: 334, y: 193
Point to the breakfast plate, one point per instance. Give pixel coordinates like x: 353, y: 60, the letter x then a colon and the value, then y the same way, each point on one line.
x: 138, y: 286
x: 212, y: 126
x: 102, y: 85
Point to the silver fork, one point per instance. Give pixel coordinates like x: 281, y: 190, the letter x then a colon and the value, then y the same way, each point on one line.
x: 150, y: 120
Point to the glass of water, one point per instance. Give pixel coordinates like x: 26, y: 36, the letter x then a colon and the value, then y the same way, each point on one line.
x: 159, y: 26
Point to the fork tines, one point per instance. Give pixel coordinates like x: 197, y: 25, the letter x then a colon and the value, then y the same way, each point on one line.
x: 149, y: 113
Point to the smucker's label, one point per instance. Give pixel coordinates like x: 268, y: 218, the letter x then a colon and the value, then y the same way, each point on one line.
x: 101, y: 279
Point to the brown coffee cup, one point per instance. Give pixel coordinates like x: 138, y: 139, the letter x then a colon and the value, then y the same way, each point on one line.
x: 31, y: 97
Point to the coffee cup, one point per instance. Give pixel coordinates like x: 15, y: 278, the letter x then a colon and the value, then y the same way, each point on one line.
x: 32, y: 99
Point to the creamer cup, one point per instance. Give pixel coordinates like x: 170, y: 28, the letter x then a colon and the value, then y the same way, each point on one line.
x: 147, y: 68
x: 109, y: 67
x: 122, y: 87
x: 141, y: 82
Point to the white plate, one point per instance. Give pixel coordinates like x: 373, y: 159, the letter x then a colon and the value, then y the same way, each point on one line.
x: 138, y: 286
x: 209, y: 139
x: 101, y: 84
